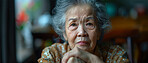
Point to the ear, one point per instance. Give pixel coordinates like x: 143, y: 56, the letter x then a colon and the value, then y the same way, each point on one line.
x: 65, y: 37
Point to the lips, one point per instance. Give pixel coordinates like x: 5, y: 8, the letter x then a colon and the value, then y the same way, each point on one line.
x: 82, y: 43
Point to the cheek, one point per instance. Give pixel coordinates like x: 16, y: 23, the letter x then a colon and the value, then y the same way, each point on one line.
x: 93, y: 37
x: 71, y: 35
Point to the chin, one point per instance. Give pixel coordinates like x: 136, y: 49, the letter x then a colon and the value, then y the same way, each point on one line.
x: 85, y: 48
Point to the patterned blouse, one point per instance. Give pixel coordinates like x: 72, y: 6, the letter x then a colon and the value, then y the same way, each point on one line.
x: 108, y: 53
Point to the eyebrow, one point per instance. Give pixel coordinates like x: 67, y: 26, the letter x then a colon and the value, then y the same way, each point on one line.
x: 90, y: 17
x: 72, y: 19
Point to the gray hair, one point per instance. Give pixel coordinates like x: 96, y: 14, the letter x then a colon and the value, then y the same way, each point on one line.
x: 62, y: 6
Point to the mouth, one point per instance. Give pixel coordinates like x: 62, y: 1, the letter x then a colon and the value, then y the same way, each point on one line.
x: 82, y: 43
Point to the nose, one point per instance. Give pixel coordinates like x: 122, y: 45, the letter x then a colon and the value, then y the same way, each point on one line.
x: 82, y: 32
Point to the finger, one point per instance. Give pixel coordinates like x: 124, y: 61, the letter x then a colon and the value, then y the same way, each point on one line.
x: 75, y: 52
x: 84, y: 55
x: 71, y: 60
x: 75, y: 60
x: 67, y: 56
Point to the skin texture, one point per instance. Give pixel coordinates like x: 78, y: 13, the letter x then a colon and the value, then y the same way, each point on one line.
x: 81, y: 26
x: 81, y: 33
x: 77, y: 55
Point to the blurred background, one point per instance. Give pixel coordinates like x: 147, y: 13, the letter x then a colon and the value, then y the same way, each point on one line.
x: 25, y: 28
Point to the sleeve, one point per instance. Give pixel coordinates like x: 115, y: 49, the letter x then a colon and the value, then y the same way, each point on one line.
x: 117, y: 55
x: 46, y: 56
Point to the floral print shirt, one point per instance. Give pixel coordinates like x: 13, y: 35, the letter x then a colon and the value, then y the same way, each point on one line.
x: 108, y: 53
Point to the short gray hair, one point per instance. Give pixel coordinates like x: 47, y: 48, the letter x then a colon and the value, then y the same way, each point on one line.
x: 62, y: 6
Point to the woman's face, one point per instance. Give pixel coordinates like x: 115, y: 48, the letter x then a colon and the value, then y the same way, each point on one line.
x: 81, y: 28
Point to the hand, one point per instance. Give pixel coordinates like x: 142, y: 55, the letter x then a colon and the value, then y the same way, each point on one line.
x: 81, y: 54
x: 75, y: 60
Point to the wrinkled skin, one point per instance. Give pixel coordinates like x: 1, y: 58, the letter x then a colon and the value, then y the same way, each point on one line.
x: 82, y: 33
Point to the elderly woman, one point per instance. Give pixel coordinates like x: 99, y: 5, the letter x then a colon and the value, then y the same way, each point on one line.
x: 81, y: 23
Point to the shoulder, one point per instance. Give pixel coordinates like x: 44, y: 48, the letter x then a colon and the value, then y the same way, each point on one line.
x: 114, y: 53
x: 117, y: 54
x: 53, y: 53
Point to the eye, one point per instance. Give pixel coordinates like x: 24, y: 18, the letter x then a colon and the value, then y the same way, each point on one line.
x: 89, y: 24
x: 73, y: 24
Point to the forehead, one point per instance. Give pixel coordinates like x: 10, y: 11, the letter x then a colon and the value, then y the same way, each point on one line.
x: 79, y: 10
